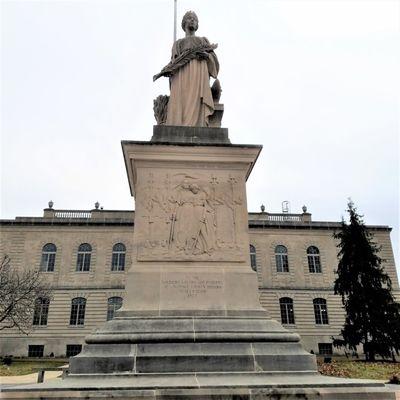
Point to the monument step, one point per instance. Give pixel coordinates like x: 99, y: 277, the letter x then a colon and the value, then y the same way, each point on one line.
x: 212, y: 386
x: 192, y: 357
x: 191, y: 329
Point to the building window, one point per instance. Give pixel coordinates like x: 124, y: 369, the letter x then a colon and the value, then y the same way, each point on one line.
x: 83, y: 259
x: 48, y: 257
x: 35, y: 350
x: 287, y: 310
x: 113, y: 304
x: 253, y: 258
x: 281, y: 258
x: 78, y: 306
x: 118, y: 257
x: 325, y: 349
x: 73, y: 349
x: 314, y: 260
x: 41, y: 311
x: 321, y: 312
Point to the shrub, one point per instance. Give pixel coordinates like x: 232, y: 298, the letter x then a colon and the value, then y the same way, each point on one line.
x: 7, y: 360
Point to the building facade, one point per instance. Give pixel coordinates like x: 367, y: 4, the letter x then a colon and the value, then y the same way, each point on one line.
x: 84, y: 256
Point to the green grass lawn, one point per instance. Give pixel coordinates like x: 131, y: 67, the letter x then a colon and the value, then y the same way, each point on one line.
x: 24, y: 367
x: 359, y: 369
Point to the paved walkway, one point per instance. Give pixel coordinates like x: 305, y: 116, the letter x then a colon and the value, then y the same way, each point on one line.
x: 396, y: 388
x: 30, y: 378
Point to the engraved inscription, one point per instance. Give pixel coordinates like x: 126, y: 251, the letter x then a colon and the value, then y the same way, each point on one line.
x: 193, y: 287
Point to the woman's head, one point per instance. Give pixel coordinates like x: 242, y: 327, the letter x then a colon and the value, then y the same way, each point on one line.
x: 190, y: 21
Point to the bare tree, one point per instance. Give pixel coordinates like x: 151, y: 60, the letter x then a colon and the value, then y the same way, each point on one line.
x: 19, y: 290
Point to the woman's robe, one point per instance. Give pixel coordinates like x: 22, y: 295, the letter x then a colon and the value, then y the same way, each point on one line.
x: 191, y: 102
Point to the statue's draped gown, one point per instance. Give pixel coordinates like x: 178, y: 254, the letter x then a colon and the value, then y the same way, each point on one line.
x: 191, y: 102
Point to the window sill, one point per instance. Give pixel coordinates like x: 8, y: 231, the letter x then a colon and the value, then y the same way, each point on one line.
x: 117, y: 272
x: 39, y: 326
x: 76, y: 326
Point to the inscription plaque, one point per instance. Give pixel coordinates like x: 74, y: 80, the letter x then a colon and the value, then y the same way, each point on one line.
x: 192, y: 290
x: 193, y: 287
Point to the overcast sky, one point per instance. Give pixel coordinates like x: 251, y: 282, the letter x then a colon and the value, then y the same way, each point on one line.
x: 315, y: 82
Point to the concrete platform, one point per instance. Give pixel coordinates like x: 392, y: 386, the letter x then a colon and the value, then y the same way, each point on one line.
x: 204, y: 386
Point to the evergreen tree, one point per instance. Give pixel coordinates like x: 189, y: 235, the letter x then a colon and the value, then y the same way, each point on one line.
x: 372, y: 315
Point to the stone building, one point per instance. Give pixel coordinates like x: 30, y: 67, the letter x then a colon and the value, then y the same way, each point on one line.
x: 84, y: 255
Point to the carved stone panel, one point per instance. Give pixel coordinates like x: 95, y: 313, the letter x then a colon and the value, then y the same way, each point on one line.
x: 190, y: 216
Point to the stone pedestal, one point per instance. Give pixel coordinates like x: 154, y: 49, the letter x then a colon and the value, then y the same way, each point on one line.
x: 191, y: 302
x: 191, y: 246
x: 191, y: 326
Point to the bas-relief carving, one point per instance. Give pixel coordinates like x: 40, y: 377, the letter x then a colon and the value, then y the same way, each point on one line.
x: 191, y: 217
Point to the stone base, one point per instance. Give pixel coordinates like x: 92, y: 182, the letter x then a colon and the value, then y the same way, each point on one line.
x: 227, y: 386
x: 158, y: 345
x: 192, y: 357
x: 190, y: 134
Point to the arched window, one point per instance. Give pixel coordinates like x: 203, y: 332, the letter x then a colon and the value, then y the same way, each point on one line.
x: 118, y: 257
x: 113, y: 304
x: 78, y: 306
x: 281, y: 259
x: 48, y: 257
x: 253, y: 258
x: 287, y: 310
x: 83, y: 259
x: 41, y: 311
x: 320, y: 311
x: 314, y: 261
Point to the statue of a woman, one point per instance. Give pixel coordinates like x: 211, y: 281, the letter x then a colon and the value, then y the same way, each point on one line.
x: 192, y: 63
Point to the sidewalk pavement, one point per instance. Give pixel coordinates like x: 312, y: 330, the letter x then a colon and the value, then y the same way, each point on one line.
x: 395, y: 388
x: 30, y: 378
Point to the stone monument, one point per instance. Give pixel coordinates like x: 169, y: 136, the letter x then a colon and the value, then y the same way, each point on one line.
x: 191, y: 326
